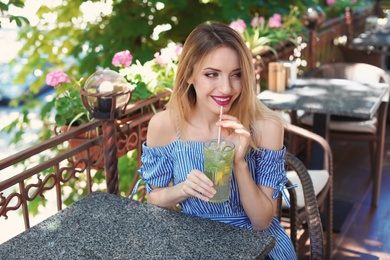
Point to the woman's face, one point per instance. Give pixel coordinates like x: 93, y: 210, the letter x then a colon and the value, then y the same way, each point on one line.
x: 217, y: 81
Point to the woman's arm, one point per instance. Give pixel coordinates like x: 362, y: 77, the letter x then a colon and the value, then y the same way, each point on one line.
x: 161, y: 132
x: 257, y: 199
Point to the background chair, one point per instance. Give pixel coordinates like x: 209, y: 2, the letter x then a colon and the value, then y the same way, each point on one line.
x: 322, y: 184
x: 352, y: 129
x: 313, y: 218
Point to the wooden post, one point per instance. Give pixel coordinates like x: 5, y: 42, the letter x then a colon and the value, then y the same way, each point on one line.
x: 349, y: 22
x: 312, y: 19
x: 312, y: 49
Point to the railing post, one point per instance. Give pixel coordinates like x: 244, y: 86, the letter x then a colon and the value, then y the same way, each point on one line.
x: 349, y: 22
x: 110, y: 155
x: 106, y: 95
x: 312, y: 19
x: 312, y: 49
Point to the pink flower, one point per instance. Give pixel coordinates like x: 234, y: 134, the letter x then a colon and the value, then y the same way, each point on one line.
x: 331, y: 2
x: 275, y: 21
x: 178, y: 50
x: 56, y: 78
x: 257, y: 21
x: 159, y: 59
x: 238, y: 25
x: 122, y: 59
x: 353, y: 1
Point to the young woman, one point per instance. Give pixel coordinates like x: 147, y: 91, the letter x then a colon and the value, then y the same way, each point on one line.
x: 216, y: 69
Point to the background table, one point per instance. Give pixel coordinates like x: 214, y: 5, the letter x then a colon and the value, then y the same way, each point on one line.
x: 106, y: 226
x: 376, y: 44
x: 374, y: 39
x: 325, y: 97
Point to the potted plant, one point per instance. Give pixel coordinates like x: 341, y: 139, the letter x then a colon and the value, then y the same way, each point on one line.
x: 153, y: 76
x: 67, y: 103
x: 265, y: 35
x: 70, y: 112
x: 268, y: 38
x: 146, y: 80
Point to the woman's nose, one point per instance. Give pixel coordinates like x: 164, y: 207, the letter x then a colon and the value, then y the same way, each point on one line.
x: 225, y: 86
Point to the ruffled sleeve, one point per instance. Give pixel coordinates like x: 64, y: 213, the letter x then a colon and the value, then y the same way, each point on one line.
x: 157, y: 166
x: 271, y: 172
x: 270, y: 167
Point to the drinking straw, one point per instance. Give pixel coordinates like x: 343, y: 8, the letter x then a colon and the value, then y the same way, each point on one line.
x: 219, y: 128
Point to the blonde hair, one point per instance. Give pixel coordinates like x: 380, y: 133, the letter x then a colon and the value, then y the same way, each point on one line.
x: 204, y: 39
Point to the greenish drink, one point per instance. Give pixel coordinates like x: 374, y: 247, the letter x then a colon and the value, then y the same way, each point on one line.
x: 218, y: 165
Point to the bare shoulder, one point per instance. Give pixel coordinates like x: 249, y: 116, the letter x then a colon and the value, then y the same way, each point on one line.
x: 161, y: 130
x: 269, y: 134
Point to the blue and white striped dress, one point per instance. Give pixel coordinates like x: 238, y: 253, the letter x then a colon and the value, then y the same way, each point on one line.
x: 162, y: 164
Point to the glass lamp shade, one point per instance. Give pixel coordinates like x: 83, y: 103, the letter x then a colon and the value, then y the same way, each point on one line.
x: 105, y: 94
x: 313, y: 17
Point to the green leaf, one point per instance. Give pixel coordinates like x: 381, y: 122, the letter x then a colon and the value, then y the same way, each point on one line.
x: 140, y: 92
x: 47, y: 108
x: 60, y: 120
x: 34, y: 205
x: 75, y: 118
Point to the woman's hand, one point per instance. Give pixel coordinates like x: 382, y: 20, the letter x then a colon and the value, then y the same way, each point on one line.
x: 240, y: 136
x: 198, y: 185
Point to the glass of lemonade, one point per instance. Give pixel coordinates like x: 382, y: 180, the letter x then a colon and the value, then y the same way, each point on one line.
x: 218, y: 165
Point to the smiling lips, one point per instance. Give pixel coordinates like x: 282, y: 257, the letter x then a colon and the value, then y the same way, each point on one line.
x: 222, y: 101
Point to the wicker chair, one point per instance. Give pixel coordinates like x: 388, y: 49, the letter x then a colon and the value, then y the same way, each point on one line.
x: 317, y: 186
x: 312, y: 213
x: 350, y: 129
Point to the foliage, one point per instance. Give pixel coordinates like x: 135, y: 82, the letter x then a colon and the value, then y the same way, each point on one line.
x: 153, y: 76
x: 67, y: 102
x: 127, y: 168
x: 335, y: 8
x: 130, y: 25
x: 4, y: 12
x: 262, y: 36
x: 145, y: 80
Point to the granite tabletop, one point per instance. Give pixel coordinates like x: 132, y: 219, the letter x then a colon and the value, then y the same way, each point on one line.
x: 329, y: 96
x: 376, y: 39
x: 106, y: 226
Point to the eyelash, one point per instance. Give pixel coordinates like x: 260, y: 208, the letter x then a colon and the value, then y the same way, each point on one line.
x: 214, y: 74
x: 238, y: 74
x: 211, y: 74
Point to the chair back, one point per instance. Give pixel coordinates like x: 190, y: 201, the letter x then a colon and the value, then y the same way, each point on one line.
x: 313, y: 218
x: 324, y: 195
x: 359, y: 72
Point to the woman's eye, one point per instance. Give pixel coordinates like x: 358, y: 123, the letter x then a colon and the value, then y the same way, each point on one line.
x: 211, y: 74
x: 237, y: 75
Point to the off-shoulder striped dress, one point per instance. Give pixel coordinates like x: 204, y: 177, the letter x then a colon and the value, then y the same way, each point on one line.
x: 162, y: 164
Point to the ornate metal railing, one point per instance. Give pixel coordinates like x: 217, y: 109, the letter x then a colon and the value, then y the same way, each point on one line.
x: 78, y: 163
